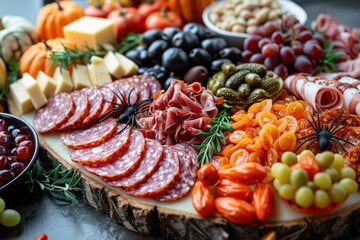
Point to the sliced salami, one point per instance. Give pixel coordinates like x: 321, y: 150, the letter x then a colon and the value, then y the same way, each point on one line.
x: 148, y: 165
x: 56, y: 112
x: 109, y: 97
x: 153, y: 84
x: 187, y: 175
x: 82, y: 106
x: 142, y: 86
x: 129, y: 89
x: 96, y: 103
x: 90, y: 137
x: 126, y: 163
x: 104, y: 153
x: 166, y: 175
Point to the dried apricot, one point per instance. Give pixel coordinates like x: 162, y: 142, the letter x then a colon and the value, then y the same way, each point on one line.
x: 256, y: 156
x: 242, y: 124
x: 240, y: 156
x: 255, y: 146
x: 242, y: 144
x: 272, y: 129
x: 287, y: 124
x: 264, y: 105
x: 265, y: 117
x: 219, y: 162
x: 271, y: 157
x: 295, y: 109
x: 226, y: 151
x: 242, y: 115
x: 237, y: 135
x: 287, y: 141
x: 266, y: 140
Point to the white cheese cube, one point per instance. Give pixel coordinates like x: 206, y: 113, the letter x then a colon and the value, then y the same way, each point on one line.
x: 128, y: 65
x: 32, y: 87
x: 113, y: 65
x: 63, y: 81
x: 80, y: 76
x: 98, y: 72
x: 20, y: 97
x: 47, y: 84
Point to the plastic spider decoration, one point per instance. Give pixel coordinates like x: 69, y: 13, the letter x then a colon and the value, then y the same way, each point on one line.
x: 325, y: 134
x: 126, y: 110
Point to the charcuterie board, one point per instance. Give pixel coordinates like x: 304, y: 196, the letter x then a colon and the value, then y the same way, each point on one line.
x: 179, y: 220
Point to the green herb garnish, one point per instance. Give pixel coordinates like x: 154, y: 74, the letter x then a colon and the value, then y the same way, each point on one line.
x: 59, y: 182
x: 130, y: 42
x: 328, y: 61
x: 214, y: 138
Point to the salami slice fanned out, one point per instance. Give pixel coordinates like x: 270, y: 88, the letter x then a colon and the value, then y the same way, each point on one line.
x: 56, y: 112
x: 109, y: 97
x: 91, y: 136
x: 82, y: 106
x: 127, y: 87
x: 153, y: 84
x: 188, y: 170
x: 166, y: 175
x: 96, y: 103
x: 126, y: 162
x: 142, y: 86
x: 104, y: 153
x: 148, y: 165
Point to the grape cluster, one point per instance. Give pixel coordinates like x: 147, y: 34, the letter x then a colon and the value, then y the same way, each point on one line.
x: 16, y: 151
x: 8, y: 217
x: 317, y: 181
x: 183, y: 54
x: 285, y: 47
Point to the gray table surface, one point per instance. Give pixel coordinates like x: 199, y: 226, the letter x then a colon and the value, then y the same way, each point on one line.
x: 38, y: 211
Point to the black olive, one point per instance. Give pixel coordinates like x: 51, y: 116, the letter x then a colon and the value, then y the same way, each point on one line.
x: 185, y: 40
x: 213, y: 45
x: 199, y: 56
x: 151, y: 35
x: 232, y: 53
x: 135, y: 56
x: 140, y: 48
x: 161, y: 76
x: 144, y: 58
x: 216, y: 64
x: 169, y: 32
x: 175, y: 60
x: 199, y: 30
x: 156, y: 49
x: 142, y: 70
x: 196, y: 74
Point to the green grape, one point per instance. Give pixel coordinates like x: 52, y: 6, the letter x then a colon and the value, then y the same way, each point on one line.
x: 306, y: 152
x: 273, y: 168
x: 322, y: 180
x: 311, y: 185
x: 2, y: 205
x: 334, y: 174
x: 298, y: 178
x: 337, y: 193
x: 277, y: 184
x: 283, y: 173
x: 321, y: 199
x: 324, y: 159
x: 338, y: 162
x: 10, y: 218
x: 289, y: 158
x: 350, y: 185
x: 287, y: 191
x: 347, y: 172
x: 304, y: 197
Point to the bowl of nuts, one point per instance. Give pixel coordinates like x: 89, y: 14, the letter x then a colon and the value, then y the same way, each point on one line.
x: 19, y: 147
x: 235, y: 19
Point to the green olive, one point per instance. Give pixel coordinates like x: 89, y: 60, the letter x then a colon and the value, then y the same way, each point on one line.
x: 253, y: 79
x: 244, y: 90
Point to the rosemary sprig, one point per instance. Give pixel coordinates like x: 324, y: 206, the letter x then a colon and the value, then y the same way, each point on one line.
x: 329, y: 59
x: 214, y: 138
x: 59, y: 182
x: 13, y: 74
x: 129, y: 42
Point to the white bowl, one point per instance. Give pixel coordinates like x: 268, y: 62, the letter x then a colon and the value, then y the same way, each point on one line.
x: 237, y: 39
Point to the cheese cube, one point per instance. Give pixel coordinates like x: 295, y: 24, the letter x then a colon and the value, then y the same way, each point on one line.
x: 32, y: 87
x: 63, y: 81
x: 80, y: 76
x: 47, y: 84
x: 98, y: 72
x: 113, y: 65
x: 128, y: 65
x: 20, y: 97
x: 91, y: 32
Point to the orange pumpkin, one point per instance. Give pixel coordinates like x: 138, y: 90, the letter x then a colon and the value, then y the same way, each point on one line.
x: 54, y: 16
x: 36, y: 57
x: 189, y: 10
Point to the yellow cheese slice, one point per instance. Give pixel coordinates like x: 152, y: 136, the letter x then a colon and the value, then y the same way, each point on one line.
x: 98, y: 72
x: 63, y: 81
x: 32, y: 87
x: 20, y: 97
x: 91, y: 32
x: 47, y: 84
x: 128, y: 65
x: 80, y: 76
x: 113, y: 65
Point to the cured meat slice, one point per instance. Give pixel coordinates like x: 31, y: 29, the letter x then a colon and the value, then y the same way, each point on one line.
x: 148, y: 165
x: 126, y: 162
x: 96, y: 103
x: 142, y: 86
x: 188, y: 170
x: 127, y: 87
x: 57, y: 111
x: 104, y: 153
x: 90, y: 137
x: 109, y: 97
x: 166, y: 175
x: 153, y: 84
x: 82, y: 106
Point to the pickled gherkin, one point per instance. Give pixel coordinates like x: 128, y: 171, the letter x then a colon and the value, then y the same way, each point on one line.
x: 253, y: 67
x: 236, y: 79
x: 244, y: 90
x: 216, y: 82
x: 229, y: 94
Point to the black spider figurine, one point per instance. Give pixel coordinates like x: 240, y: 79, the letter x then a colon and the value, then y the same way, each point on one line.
x: 127, y: 110
x: 324, y: 134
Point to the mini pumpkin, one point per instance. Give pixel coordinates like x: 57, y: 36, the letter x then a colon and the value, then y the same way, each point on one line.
x: 16, y: 35
x: 189, y: 10
x: 54, y: 16
x: 36, y: 57
x: 2, y: 74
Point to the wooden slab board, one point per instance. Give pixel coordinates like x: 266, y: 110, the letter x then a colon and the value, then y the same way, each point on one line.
x: 179, y: 220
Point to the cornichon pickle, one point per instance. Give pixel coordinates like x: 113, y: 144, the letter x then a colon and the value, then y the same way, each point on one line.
x: 244, y: 90
x: 236, y: 79
x: 229, y: 94
x: 228, y: 69
x: 257, y: 94
x: 216, y: 82
x: 253, y: 67
x: 253, y: 79
x: 271, y: 85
